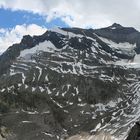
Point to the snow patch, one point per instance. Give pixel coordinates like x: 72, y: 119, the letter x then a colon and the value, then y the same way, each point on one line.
x: 130, y: 63
x: 46, y: 46
x: 122, y: 46
x: 66, y: 33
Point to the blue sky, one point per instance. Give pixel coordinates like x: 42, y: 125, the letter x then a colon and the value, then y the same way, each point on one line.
x: 9, y: 19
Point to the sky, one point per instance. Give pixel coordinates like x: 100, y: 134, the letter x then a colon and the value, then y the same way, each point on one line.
x: 34, y: 17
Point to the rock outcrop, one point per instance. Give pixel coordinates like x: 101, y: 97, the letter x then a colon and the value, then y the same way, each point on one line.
x: 134, y: 133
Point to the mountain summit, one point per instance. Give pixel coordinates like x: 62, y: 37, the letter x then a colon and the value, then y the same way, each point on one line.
x: 116, y: 26
x: 71, y: 80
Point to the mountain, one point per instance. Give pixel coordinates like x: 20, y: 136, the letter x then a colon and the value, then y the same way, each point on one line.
x: 70, y: 81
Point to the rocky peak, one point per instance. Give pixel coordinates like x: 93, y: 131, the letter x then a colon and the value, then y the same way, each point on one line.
x: 116, y: 26
x: 127, y: 30
x: 118, y: 33
x: 26, y: 42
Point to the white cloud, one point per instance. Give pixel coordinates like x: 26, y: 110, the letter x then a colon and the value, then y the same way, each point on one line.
x: 82, y: 13
x: 14, y: 35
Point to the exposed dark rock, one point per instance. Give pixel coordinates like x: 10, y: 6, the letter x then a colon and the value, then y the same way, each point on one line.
x: 134, y: 134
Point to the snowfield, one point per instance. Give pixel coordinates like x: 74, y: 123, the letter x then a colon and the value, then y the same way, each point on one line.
x: 99, y: 136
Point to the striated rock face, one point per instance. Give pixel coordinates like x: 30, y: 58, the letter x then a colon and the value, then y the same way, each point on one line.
x: 71, y: 80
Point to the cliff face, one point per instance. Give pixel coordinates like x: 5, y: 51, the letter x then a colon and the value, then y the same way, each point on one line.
x: 71, y: 80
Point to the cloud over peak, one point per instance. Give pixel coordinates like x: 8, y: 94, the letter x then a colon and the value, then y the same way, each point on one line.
x: 14, y: 35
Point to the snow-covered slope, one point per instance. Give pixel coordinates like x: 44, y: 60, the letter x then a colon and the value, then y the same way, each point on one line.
x: 122, y: 46
x: 71, y: 80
